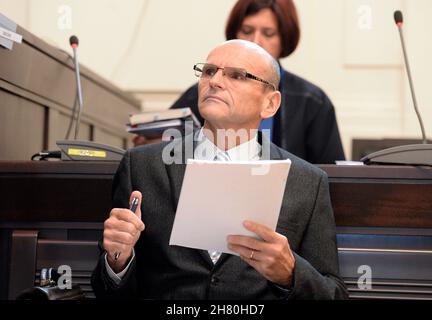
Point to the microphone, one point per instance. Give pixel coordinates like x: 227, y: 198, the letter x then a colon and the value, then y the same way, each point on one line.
x: 398, y: 17
x: 76, y: 149
x: 74, y: 42
x: 84, y: 150
x: 415, y: 154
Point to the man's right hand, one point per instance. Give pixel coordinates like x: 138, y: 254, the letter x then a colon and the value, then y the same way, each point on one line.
x: 121, y: 231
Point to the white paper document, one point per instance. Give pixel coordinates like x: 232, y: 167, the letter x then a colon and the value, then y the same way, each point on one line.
x: 218, y: 196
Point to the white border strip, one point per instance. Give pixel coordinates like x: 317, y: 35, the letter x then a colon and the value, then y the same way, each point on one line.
x: 385, y: 250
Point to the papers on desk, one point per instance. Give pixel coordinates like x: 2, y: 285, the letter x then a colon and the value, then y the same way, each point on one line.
x: 217, y: 196
x: 349, y: 163
x: 154, y: 124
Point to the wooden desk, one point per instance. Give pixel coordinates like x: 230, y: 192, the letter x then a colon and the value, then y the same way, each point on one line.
x: 384, y: 221
x: 381, y: 196
x: 56, y: 209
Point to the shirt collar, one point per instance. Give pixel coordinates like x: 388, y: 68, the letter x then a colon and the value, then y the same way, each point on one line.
x: 207, y: 150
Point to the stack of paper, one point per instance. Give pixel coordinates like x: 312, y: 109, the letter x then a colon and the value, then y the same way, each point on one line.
x: 153, y: 124
x: 217, y: 197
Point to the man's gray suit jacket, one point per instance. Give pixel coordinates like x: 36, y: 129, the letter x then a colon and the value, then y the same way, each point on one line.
x: 161, y: 271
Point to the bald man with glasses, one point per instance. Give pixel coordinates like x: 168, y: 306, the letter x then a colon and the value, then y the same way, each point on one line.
x: 237, y: 89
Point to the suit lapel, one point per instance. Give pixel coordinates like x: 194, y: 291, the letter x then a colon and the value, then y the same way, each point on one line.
x: 269, y: 151
x: 275, y: 154
x: 176, y: 172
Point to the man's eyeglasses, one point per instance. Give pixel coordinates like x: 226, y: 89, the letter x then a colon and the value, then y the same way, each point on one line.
x: 207, y: 71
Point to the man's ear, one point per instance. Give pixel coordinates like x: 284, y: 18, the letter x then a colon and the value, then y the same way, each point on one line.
x: 271, y: 104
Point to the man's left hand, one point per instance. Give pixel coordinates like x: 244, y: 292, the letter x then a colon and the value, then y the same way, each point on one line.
x: 270, y: 255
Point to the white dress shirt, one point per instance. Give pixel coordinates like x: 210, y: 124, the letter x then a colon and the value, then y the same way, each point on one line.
x: 207, y: 150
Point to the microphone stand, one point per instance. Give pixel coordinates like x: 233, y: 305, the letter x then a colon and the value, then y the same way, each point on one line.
x: 79, y: 91
x: 415, y: 154
x: 84, y: 150
x: 410, y: 80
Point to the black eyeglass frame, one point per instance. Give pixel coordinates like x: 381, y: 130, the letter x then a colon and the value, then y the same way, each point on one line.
x: 240, y: 70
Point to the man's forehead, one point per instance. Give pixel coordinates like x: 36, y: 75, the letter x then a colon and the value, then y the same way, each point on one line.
x: 236, y: 56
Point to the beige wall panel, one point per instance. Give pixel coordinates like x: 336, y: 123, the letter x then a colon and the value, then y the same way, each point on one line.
x: 418, y: 31
x: 21, y: 127
x: 370, y: 34
x: 58, y: 125
x: 102, y: 136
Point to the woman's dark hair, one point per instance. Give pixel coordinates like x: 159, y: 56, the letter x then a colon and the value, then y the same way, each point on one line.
x: 286, y: 15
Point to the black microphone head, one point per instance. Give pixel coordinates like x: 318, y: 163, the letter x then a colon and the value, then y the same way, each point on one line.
x: 398, y: 17
x: 73, y: 40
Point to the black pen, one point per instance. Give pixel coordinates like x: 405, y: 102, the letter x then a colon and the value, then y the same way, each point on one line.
x: 133, y: 208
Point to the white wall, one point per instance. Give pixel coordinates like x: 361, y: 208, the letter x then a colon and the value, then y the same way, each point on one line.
x: 350, y: 48
x: 138, y: 44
